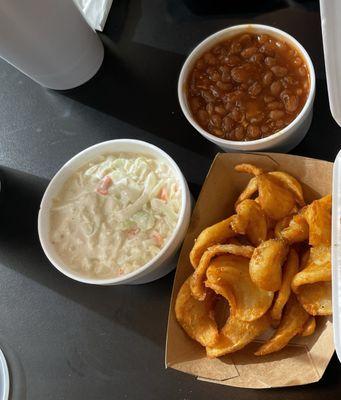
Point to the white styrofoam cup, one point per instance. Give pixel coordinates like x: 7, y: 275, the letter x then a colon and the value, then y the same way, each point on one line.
x: 281, y: 141
x: 49, y: 41
x: 157, y: 267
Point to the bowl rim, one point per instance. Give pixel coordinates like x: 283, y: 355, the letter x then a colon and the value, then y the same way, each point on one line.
x: 45, y: 241
x: 215, y: 37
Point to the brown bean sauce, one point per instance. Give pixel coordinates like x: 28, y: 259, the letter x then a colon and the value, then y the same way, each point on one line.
x: 248, y: 87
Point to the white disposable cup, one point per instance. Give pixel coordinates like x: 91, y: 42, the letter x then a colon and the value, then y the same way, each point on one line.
x: 282, y: 141
x: 49, y: 41
x: 164, y: 261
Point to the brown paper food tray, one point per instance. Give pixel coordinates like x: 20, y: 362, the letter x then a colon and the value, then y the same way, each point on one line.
x: 305, y: 359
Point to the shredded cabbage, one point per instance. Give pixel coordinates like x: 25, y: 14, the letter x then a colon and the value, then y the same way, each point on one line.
x: 115, y: 214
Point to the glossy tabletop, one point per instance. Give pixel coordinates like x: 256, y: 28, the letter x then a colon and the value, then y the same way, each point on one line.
x: 66, y: 340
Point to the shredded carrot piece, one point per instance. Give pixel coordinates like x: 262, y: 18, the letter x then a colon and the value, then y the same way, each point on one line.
x: 132, y: 232
x: 163, y: 195
x: 104, y: 185
x: 157, y: 238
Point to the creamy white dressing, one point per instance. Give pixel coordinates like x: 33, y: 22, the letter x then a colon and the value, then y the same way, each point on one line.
x: 115, y: 214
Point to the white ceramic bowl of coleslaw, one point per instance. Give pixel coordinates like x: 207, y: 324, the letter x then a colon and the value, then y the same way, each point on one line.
x: 164, y: 261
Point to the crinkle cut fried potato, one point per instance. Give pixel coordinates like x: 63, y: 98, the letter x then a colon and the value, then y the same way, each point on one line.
x: 197, y: 317
x: 229, y: 276
x: 309, y: 327
x: 250, y: 221
x: 312, y: 284
x: 266, y: 264
x: 217, y: 233
x: 292, y: 184
x: 290, y: 269
x: 270, y: 262
x: 318, y: 217
x: 316, y: 298
x: 199, y: 275
x: 278, y: 206
x: 249, y: 191
x: 293, y: 229
x: 278, y: 194
x: 236, y: 334
x: 292, y: 324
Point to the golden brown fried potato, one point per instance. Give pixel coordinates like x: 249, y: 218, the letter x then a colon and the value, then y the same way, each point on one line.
x: 317, y: 269
x: 196, y: 317
x: 250, y: 221
x: 292, y: 323
x: 309, y: 327
x: 275, y: 201
x: 249, y: 169
x: 199, y: 275
x: 318, y: 216
x: 239, y: 224
x: 312, y: 284
x: 277, y: 191
x: 297, y: 231
x: 316, y: 298
x: 290, y: 183
x: 272, y: 216
x: 290, y: 269
x: 217, y: 233
x: 249, y: 191
x: 228, y: 276
x: 236, y: 334
x: 281, y: 225
x: 266, y: 264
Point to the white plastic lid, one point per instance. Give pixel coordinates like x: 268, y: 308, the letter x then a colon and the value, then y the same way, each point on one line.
x: 331, y: 34
x: 4, y: 378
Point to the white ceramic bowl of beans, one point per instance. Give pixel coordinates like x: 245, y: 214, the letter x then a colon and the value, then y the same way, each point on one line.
x: 283, y: 140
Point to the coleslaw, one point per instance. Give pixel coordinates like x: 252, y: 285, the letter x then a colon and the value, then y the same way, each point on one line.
x: 115, y: 214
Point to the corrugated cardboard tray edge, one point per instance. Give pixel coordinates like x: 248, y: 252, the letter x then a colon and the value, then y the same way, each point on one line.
x: 305, y: 359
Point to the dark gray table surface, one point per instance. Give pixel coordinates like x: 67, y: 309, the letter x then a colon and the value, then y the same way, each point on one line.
x: 65, y: 340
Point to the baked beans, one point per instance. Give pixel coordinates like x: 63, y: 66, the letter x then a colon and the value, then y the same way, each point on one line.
x: 248, y: 87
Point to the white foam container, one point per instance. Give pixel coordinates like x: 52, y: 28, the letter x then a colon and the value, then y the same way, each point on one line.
x: 336, y: 254
x: 49, y: 41
x: 158, y: 266
x: 331, y: 34
x: 4, y: 378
